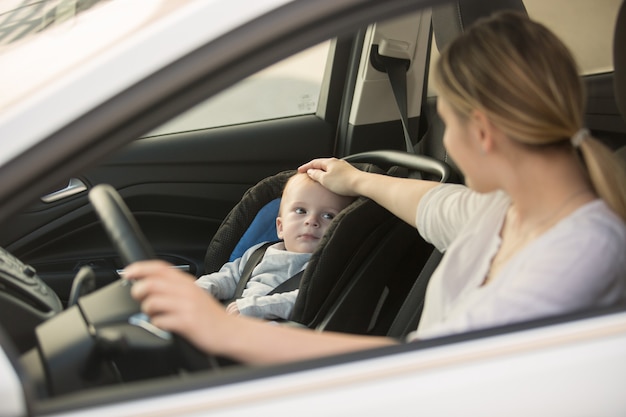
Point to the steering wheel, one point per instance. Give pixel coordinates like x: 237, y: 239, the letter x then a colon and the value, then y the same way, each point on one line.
x: 418, y: 163
x: 132, y: 246
x: 120, y: 225
x: 104, y: 338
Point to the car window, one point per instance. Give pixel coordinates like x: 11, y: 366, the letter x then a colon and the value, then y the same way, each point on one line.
x: 289, y: 88
x: 588, y: 38
x: 590, y: 41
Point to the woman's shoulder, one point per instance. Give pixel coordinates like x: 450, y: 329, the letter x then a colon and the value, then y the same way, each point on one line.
x: 593, y: 230
x: 597, y: 217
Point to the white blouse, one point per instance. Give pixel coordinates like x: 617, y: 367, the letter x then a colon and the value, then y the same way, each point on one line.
x: 577, y: 264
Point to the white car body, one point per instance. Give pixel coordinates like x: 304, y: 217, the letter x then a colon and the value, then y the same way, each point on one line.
x: 563, y: 368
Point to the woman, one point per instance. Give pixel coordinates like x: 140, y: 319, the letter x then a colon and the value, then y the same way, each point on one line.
x: 539, y: 230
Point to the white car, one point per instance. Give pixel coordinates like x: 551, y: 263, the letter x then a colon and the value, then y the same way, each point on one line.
x: 181, y: 106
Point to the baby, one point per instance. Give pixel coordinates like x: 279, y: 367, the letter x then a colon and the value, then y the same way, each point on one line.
x: 306, y: 210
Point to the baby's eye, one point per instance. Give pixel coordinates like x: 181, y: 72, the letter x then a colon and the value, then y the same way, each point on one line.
x: 300, y: 210
x: 328, y: 216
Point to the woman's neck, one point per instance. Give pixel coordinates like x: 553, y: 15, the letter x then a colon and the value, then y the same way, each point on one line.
x: 541, y: 196
x: 546, y: 187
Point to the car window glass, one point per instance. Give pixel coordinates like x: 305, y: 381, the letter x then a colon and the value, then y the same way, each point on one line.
x: 586, y: 27
x: 289, y: 88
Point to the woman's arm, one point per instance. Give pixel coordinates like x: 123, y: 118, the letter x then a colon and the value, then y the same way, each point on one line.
x: 176, y: 304
x: 400, y: 196
x: 268, y: 307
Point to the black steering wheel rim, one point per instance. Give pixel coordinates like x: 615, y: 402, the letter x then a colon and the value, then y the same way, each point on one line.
x: 389, y: 158
x: 120, y: 225
x: 132, y: 246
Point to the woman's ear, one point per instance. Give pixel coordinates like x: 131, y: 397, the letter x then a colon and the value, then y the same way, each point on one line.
x: 484, y: 131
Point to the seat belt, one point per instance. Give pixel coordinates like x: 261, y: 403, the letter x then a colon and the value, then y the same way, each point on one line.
x: 292, y: 283
x: 246, y: 274
x: 396, y: 69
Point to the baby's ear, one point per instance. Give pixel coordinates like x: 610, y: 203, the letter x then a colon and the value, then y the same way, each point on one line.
x: 279, y: 228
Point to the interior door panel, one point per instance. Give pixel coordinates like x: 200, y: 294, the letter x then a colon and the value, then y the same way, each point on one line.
x: 179, y: 187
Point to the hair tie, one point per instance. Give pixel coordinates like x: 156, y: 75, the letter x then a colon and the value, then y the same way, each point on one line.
x: 578, y: 137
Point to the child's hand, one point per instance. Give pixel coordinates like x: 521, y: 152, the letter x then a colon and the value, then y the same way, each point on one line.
x: 232, y: 309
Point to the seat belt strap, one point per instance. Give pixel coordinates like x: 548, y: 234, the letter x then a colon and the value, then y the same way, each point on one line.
x: 252, y: 262
x: 396, y: 69
x: 290, y: 284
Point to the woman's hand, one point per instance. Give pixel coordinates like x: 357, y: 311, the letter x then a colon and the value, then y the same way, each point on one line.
x: 175, y: 303
x: 401, y: 196
x: 335, y: 174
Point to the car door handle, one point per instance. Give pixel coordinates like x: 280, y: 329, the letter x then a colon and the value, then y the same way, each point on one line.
x: 74, y: 186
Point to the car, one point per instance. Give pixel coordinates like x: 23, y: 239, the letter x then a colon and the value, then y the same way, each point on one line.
x: 180, y: 107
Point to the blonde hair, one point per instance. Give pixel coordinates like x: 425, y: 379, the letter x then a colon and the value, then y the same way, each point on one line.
x: 526, y: 81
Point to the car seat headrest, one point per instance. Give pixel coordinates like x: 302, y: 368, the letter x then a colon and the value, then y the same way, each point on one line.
x: 262, y: 229
x: 451, y: 19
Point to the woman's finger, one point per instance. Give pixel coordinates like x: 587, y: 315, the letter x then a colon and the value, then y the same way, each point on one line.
x: 319, y: 163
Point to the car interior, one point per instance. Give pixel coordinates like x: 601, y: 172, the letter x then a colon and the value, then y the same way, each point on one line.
x: 190, y: 198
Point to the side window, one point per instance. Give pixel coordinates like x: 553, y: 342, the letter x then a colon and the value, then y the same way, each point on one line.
x: 291, y: 87
x: 586, y: 27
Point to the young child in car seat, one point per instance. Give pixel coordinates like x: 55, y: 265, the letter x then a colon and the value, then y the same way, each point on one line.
x: 305, y: 212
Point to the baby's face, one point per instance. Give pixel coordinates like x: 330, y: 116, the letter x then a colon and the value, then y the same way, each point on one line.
x: 306, y: 211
